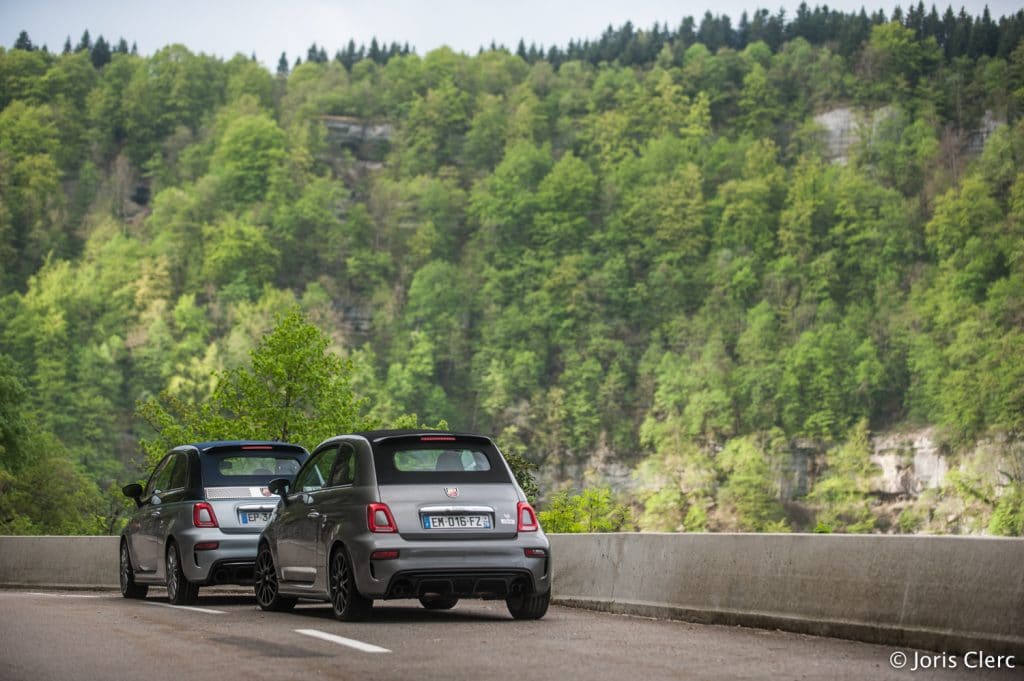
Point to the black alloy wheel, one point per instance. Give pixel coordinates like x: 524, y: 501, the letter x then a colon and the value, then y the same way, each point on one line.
x: 349, y: 605
x: 129, y: 589
x: 528, y: 606
x: 265, y: 586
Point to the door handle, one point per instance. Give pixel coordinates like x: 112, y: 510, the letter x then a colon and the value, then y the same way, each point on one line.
x: 313, y: 514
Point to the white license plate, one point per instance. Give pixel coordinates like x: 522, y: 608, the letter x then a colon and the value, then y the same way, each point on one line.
x: 456, y: 522
x: 254, y: 517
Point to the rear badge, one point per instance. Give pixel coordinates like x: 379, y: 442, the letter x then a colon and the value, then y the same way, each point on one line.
x: 451, y: 491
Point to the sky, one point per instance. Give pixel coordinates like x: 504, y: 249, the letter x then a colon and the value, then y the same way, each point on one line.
x: 269, y: 27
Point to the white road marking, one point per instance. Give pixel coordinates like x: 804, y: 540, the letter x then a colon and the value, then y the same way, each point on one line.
x: 40, y: 593
x: 341, y: 640
x: 186, y: 607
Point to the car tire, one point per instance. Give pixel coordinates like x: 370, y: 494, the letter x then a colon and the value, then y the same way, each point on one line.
x: 129, y: 589
x: 180, y: 591
x: 439, y: 603
x: 348, y: 604
x: 528, y: 606
x: 265, y: 586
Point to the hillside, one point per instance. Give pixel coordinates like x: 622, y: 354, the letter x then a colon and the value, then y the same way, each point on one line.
x: 704, y: 263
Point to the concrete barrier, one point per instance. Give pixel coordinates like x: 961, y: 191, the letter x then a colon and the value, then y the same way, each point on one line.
x: 59, y: 562
x: 949, y: 594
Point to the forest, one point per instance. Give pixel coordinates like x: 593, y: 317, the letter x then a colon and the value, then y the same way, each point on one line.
x: 643, y: 252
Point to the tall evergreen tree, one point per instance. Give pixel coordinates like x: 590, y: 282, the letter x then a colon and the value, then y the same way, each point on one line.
x: 23, y: 42
x: 100, y: 53
x: 85, y: 44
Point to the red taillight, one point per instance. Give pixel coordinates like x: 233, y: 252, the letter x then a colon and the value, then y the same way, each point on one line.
x: 379, y: 518
x: 527, y: 518
x: 535, y: 553
x: 257, y: 446
x: 384, y: 555
x: 203, y: 515
x: 207, y: 546
x: 437, y: 438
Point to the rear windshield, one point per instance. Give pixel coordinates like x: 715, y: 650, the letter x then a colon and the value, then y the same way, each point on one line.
x: 249, y: 467
x: 411, y: 462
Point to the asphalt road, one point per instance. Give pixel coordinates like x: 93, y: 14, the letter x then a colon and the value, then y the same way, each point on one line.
x: 85, y: 636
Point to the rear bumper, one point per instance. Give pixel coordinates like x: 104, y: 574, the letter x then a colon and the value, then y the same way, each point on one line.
x: 487, y: 584
x: 467, y: 569
x: 232, y: 562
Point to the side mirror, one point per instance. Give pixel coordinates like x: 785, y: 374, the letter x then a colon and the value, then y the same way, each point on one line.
x: 133, y: 491
x: 280, y: 487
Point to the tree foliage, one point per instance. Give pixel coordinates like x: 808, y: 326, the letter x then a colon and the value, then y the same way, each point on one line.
x: 295, y: 389
x: 640, y: 250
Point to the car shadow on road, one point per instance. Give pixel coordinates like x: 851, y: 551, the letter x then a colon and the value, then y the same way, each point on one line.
x: 407, y: 614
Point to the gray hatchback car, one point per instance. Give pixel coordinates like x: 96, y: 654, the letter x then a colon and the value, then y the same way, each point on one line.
x: 199, y: 517
x: 431, y: 515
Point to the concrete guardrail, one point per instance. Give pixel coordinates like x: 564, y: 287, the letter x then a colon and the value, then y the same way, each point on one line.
x: 59, y: 562
x: 949, y: 594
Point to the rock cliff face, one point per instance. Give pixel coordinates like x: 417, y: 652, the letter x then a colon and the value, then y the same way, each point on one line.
x: 840, y: 132
x: 918, y: 483
x: 367, y: 140
x: 909, y: 463
x: 845, y: 126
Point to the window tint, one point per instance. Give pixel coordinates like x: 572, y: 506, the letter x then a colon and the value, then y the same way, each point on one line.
x: 179, y: 472
x: 416, y: 461
x: 317, y: 472
x: 161, y: 478
x: 245, y: 467
x: 345, y: 468
x: 441, y: 460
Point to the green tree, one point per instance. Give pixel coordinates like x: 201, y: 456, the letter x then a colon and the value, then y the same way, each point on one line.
x: 42, y: 490
x: 748, y: 498
x: 251, y: 148
x: 295, y: 389
x: 841, y: 494
x: 592, y: 510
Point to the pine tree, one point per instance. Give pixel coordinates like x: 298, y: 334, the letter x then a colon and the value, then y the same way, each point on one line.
x: 122, y: 46
x: 23, y: 42
x: 100, y: 53
x: 282, y: 65
x: 67, y: 46
x: 85, y: 44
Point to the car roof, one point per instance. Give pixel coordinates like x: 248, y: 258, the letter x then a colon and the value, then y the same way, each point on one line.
x: 207, y: 447
x: 379, y: 436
